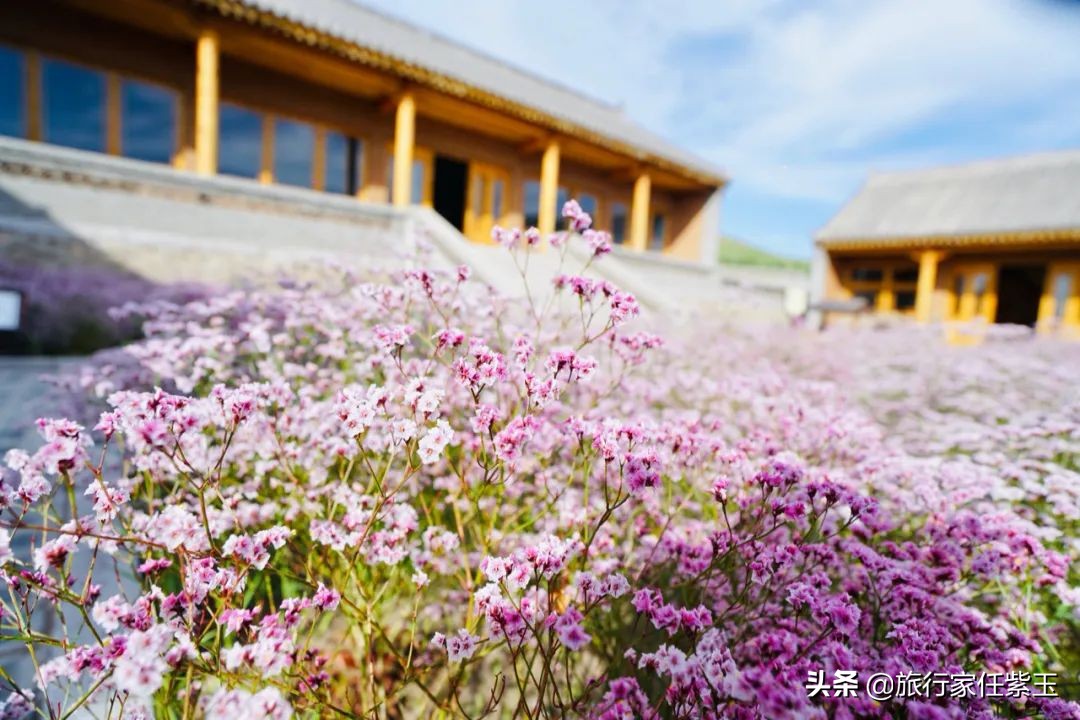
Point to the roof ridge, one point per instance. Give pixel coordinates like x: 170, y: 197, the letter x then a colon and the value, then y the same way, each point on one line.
x: 976, y: 168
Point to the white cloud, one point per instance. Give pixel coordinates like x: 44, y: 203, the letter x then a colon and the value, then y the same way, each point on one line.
x: 797, y: 99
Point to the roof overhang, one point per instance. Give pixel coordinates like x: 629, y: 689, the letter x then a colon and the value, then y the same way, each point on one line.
x: 411, y: 73
x: 1013, y: 238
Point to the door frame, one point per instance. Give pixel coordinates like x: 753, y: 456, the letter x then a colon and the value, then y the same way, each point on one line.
x: 967, y: 306
x: 481, y: 215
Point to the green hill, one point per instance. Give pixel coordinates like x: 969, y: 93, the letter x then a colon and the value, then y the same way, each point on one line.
x: 737, y: 252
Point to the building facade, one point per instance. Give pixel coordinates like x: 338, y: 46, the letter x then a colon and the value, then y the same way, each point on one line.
x: 995, y: 241
x: 331, y: 96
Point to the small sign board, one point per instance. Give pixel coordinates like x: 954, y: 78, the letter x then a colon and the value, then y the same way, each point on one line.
x: 10, y: 310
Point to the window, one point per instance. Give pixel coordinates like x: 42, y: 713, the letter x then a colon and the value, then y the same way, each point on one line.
x: 344, y: 163
x: 294, y: 152
x: 588, y: 204
x: 74, y: 105
x: 978, y: 288
x: 532, y: 203
x: 865, y: 274
x: 12, y: 93
x: 497, y: 199
x: 659, y: 232
x: 419, y: 181
x: 905, y: 300
x: 618, y: 222
x: 479, y: 193
x: 239, y: 141
x: 148, y: 122
x: 906, y: 275
x: 1062, y: 290
x: 561, y: 196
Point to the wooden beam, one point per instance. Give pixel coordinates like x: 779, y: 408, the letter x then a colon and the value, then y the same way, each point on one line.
x: 627, y: 174
x: 535, y: 145
x: 207, y: 61
x: 404, y: 141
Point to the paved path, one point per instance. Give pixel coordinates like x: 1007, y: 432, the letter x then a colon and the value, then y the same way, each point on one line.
x: 24, y: 397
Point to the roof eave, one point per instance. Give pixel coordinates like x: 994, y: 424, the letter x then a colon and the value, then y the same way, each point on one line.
x: 327, y: 42
x: 1046, y: 236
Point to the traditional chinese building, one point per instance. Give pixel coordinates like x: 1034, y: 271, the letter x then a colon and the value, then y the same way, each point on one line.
x: 328, y: 95
x: 997, y: 241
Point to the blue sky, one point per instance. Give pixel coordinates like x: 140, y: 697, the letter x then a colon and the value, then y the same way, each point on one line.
x: 799, y: 99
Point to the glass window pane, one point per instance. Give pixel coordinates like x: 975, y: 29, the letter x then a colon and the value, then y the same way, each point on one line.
x: 588, y: 204
x: 294, y: 152
x: 1062, y: 290
x: 479, y: 190
x: 418, y: 181
x: 905, y: 300
x: 338, y: 165
x: 497, y: 200
x: 618, y: 222
x: 560, y: 199
x: 532, y: 203
x: 865, y: 274
x: 356, y: 167
x: 978, y: 284
x: 74, y: 105
x: 659, y: 232
x: 148, y: 121
x: 12, y: 92
x: 239, y: 141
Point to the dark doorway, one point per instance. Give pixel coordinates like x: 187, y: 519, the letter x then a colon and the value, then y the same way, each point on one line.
x: 451, y: 181
x: 1019, y: 290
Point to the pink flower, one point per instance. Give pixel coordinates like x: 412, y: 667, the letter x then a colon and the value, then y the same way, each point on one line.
x: 461, y: 646
x: 326, y: 598
x: 507, y: 238
x: 434, y: 442
x: 568, y: 628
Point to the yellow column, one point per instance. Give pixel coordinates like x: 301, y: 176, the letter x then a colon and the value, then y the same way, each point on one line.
x: 266, y: 156
x: 886, y: 298
x: 404, y: 138
x: 207, y: 56
x: 924, y: 291
x: 318, y: 162
x: 113, y: 128
x: 34, y: 119
x: 184, y: 149
x: 639, y: 213
x: 549, y: 189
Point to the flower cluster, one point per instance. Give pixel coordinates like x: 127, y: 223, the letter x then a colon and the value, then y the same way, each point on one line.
x: 406, y: 495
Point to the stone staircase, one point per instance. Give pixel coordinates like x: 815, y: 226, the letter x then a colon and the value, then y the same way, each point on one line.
x: 67, y: 206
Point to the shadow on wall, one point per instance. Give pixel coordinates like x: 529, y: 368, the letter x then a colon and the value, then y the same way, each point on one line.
x: 60, y: 288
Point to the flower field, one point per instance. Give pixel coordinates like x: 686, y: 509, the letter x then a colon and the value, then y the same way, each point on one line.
x: 404, y: 497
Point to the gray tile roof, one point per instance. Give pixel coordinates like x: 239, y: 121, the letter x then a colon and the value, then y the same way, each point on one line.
x: 348, y: 21
x: 1039, y: 192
